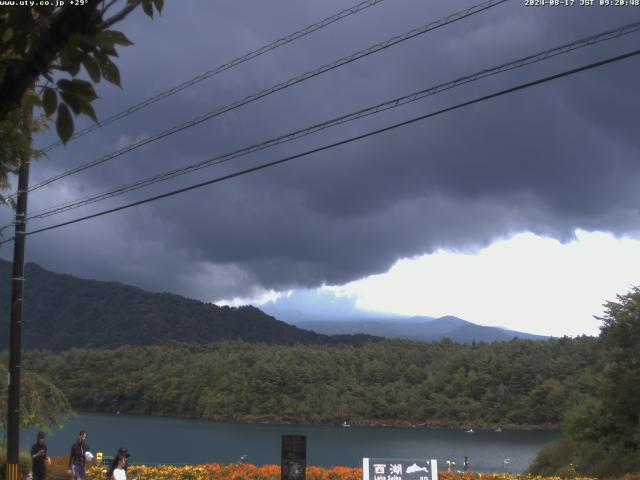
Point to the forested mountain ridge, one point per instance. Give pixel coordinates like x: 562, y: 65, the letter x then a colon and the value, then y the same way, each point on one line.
x: 62, y: 312
x: 516, y: 384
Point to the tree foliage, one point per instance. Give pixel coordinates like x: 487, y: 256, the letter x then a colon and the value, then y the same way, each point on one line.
x: 510, y: 384
x: 44, y: 51
x: 15, y: 140
x: 42, y: 404
x: 602, y: 434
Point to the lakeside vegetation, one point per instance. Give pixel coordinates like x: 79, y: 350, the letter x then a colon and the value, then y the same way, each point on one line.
x: 245, y: 471
x: 242, y: 471
x: 517, y: 384
x: 601, y: 435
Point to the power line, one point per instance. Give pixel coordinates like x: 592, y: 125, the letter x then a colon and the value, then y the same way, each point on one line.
x: 390, y: 104
x: 225, y: 66
x: 344, y: 142
x: 281, y: 86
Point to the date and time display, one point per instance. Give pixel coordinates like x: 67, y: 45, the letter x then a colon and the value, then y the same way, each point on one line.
x: 582, y: 3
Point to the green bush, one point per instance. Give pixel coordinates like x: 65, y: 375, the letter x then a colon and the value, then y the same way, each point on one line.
x: 567, y: 458
x: 555, y: 459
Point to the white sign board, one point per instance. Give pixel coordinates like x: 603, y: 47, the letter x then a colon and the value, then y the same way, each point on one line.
x: 399, y: 469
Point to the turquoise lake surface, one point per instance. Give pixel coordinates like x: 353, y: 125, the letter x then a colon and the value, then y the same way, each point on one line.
x: 153, y: 440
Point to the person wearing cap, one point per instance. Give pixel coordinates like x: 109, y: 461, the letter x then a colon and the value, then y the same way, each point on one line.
x: 39, y: 458
x: 122, y: 452
x: 78, y: 457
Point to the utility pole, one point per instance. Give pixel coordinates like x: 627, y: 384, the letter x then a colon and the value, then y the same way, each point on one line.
x: 15, y: 332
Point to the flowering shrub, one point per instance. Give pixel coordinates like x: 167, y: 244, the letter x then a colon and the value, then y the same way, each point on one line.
x: 234, y: 471
x: 246, y: 471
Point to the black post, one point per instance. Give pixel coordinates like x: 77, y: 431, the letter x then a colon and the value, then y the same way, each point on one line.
x: 294, y: 457
x: 15, y: 338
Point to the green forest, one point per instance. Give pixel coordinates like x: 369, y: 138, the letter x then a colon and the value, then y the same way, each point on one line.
x: 523, y: 384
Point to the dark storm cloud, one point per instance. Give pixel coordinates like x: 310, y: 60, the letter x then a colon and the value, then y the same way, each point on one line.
x: 550, y: 159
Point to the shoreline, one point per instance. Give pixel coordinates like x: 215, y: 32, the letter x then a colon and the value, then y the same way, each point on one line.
x: 434, y: 425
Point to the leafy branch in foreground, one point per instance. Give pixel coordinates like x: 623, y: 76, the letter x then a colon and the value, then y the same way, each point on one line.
x: 43, y: 51
x: 42, y: 404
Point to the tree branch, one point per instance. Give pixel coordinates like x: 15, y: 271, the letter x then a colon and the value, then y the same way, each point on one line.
x: 119, y: 16
x: 108, y: 5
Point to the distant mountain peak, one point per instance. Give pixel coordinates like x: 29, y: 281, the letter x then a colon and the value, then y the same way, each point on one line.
x: 429, y: 330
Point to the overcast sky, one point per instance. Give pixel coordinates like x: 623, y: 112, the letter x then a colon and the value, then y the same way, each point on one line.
x: 521, y: 211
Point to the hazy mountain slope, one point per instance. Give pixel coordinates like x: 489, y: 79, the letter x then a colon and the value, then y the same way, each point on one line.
x: 451, y: 327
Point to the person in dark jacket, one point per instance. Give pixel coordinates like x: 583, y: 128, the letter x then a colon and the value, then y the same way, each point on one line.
x: 122, y: 453
x: 39, y: 458
x: 77, y: 457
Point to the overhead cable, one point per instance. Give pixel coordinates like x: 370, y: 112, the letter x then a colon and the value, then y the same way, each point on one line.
x: 281, y: 86
x: 263, y: 166
x: 225, y: 66
x: 390, y: 104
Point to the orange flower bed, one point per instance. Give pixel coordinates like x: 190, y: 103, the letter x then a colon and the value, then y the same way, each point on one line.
x: 247, y: 471
x: 233, y: 471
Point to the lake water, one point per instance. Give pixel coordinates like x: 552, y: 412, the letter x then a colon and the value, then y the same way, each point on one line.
x: 152, y: 440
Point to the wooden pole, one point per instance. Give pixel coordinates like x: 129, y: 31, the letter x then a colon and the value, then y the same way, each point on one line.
x: 15, y: 332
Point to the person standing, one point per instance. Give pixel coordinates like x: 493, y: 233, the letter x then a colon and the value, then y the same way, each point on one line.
x: 120, y: 472
x: 77, y: 457
x: 122, y: 452
x: 39, y: 458
x: 466, y: 464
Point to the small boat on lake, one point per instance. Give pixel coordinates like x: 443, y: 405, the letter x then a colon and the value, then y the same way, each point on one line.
x: 469, y: 431
x: 346, y: 424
